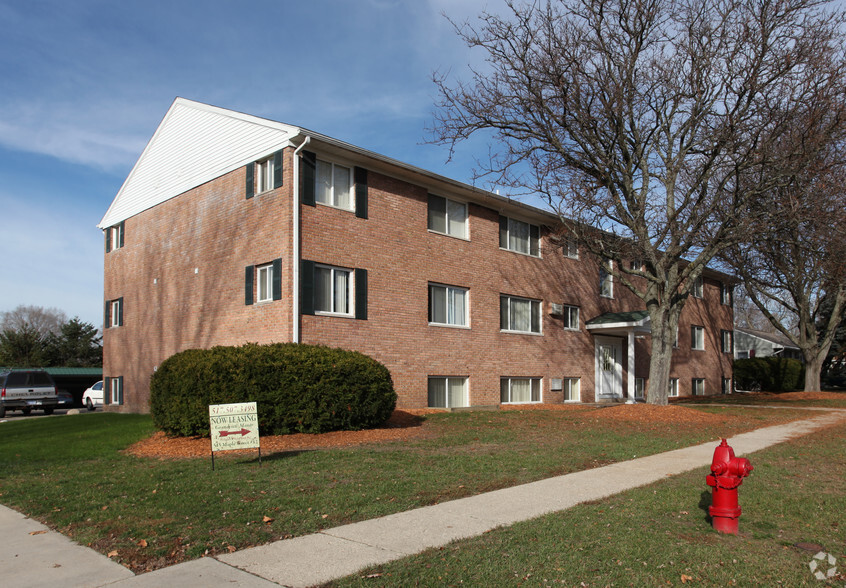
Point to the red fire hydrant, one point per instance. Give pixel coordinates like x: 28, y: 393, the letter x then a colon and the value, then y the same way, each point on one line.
x: 727, y: 473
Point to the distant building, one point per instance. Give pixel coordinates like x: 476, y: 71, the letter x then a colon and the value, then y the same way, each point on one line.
x: 232, y: 228
x: 751, y: 343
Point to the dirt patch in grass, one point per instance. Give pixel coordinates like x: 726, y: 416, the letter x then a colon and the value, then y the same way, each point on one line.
x: 402, y: 425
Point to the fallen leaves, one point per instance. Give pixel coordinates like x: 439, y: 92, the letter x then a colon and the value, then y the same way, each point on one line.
x: 112, y: 553
x: 38, y: 532
x: 142, y: 543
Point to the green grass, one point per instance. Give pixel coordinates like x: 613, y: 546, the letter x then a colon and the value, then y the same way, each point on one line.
x: 70, y: 473
x: 763, y: 399
x: 660, y: 535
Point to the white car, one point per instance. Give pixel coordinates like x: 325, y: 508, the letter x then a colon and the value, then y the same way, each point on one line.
x: 93, y: 397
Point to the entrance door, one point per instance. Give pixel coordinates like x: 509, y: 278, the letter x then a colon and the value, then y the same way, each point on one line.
x: 609, y: 368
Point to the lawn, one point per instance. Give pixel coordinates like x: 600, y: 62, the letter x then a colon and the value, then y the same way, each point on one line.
x: 659, y: 535
x: 785, y: 399
x: 71, y: 473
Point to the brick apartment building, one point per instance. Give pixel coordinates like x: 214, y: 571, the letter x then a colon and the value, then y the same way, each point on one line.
x: 233, y: 229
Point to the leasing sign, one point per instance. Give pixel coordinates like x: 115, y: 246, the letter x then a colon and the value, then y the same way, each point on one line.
x: 234, y: 426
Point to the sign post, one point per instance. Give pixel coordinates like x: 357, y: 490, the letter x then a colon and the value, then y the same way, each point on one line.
x: 234, y: 426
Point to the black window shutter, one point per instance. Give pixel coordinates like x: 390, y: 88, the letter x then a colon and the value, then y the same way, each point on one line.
x: 360, y: 176
x: 534, y: 240
x: 122, y: 227
x: 120, y: 312
x: 107, y: 315
x: 248, y: 284
x: 251, y: 188
x: 503, y: 232
x: 307, y: 287
x: 277, y: 279
x: 307, y: 177
x: 108, y: 239
x: 107, y: 390
x: 277, y: 169
x: 361, y: 294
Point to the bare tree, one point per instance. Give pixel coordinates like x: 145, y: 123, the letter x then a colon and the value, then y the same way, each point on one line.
x: 793, y: 266
x: 635, y: 119
x: 44, y: 321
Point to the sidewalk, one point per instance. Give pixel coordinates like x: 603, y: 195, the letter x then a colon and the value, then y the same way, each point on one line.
x: 35, y: 556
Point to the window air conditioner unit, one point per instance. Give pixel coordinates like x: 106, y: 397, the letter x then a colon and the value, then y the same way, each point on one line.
x: 556, y: 309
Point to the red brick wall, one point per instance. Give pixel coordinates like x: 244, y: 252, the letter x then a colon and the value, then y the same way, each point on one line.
x: 214, y: 229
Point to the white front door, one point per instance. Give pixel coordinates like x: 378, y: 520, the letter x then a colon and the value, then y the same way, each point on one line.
x: 609, y: 368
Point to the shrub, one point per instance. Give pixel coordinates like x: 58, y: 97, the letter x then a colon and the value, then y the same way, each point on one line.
x: 297, y: 388
x: 769, y: 374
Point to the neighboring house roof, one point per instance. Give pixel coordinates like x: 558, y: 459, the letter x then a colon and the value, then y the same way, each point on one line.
x: 777, y: 339
x: 75, y: 371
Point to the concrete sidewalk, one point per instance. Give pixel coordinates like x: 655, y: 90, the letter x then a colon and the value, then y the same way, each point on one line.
x: 33, y: 557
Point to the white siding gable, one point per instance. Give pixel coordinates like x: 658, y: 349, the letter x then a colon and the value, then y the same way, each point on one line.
x: 194, y: 144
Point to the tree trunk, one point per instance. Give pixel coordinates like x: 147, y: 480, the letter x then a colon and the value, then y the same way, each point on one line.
x: 813, y: 368
x: 664, y: 323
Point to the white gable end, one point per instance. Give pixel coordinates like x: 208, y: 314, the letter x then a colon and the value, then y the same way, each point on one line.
x: 194, y: 144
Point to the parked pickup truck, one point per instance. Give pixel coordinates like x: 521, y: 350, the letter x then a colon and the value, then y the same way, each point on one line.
x: 25, y: 390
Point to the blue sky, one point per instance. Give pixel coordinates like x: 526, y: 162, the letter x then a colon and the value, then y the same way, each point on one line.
x: 85, y: 83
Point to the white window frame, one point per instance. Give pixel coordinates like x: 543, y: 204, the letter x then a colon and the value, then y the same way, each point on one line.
x: 453, y: 318
x: 727, y: 336
x: 264, y: 175
x: 535, y: 390
x: 676, y: 340
x: 697, y: 387
x: 572, y: 388
x: 350, y: 294
x: 114, y: 315
x: 571, y: 248
x: 264, y: 280
x: 116, y: 390
x: 698, y: 289
x: 640, y: 388
x: 535, y: 314
x: 450, y: 210
x: 117, y: 232
x: 697, y: 338
x: 674, y: 388
x: 570, y: 315
x: 606, y: 280
x: 448, y: 382
x: 725, y: 294
x: 511, y: 228
x: 726, y: 386
x: 333, y: 194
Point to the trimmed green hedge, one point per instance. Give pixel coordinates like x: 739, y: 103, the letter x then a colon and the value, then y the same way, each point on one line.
x: 769, y: 374
x: 298, y: 388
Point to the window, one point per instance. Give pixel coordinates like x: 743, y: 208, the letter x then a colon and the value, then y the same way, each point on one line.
x: 518, y: 236
x: 606, y: 281
x: 726, y: 294
x: 264, y: 175
x: 447, y: 392
x: 519, y: 390
x: 334, y: 185
x: 571, y: 387
x: 114, y: 313
x: 698, y: 288
x: 447, y: 216
x: 726, y: 386
x: 265, y: 283
x: 726, y: 342
x: 115, y: 390
x: 674, y: 387
x: 571, y: 249
x: 332, y: 290
x: 640, y: 387
x: 697, y: 387
x: 697, y: 338
x: 114, y: 237
x: 571, y: 317
x: 520, y: 315
x: 676, y: 339
x: 447, y: 305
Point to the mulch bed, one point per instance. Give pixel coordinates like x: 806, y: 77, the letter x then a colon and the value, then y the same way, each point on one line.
x: 407, y: 424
